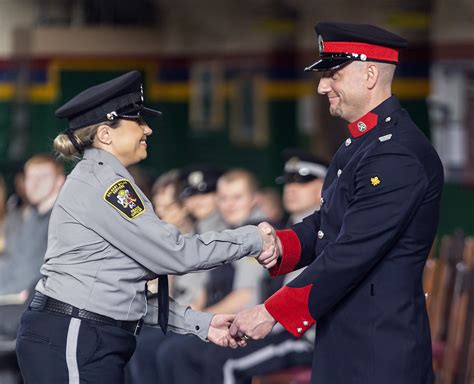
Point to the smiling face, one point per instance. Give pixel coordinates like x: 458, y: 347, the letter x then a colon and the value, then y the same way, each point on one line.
x: 235, y: 200
x: 298, y: 198
x: 346, y: 89
x: 128, y: 141
x: 42, y: 180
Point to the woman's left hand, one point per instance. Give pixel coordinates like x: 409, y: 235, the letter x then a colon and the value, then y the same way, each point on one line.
x: 219, y: 332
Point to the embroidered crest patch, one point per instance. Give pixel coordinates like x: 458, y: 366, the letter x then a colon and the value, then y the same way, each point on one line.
x: 122, y: 196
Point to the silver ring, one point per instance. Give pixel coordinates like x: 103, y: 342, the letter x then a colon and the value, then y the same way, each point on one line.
x: 245, y: 337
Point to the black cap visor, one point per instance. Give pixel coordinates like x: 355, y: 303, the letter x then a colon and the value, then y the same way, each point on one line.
x: 328, y: 63
x: 137, y: 111
x: 145, y: 111
x: 192, y: 191
x: 187, y: 192
x: 294, y: 178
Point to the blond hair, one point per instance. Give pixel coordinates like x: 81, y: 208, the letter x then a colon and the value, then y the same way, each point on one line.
x: 84, y: 136
x: 240, y: 174
x: 45, y: 159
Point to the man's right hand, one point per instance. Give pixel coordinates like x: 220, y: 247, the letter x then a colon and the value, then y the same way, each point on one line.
x: 271, y: 248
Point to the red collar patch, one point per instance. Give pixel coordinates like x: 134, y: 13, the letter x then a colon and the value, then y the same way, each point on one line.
x: 363, y: 125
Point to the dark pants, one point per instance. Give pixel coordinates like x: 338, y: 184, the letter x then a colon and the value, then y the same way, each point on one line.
x: 142, y: 367
x: 55, y: 348
x: 179, y: 359
x: 260, y: 357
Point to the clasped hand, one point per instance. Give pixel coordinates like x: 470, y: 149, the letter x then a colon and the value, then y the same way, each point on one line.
x: 234, y: 330
x: 271, y: 247
x: 255, y: 323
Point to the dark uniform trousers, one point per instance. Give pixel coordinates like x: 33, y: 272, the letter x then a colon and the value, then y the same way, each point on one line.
x: 276, y: 352
x: 80, y: 351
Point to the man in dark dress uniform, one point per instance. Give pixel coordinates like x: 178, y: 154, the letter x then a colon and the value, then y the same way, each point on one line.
x: 366, y: 247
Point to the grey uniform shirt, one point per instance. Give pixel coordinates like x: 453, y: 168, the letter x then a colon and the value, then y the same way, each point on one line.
x: 99, y: 257
x: 186, y: 288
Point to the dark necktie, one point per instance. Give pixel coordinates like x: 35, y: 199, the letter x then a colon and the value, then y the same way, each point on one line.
x: 163, y: 302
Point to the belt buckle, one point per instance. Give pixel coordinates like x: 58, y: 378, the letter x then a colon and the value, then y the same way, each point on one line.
x: 138, y: 327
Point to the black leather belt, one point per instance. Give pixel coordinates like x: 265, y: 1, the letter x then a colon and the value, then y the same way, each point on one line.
x: 41, y: 302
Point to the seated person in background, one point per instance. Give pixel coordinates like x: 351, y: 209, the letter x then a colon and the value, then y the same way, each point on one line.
x: 198, y: 195
x: 237, y: 202
x: 303, y: 178
x: 269, y: 201
x: 25, y: 245
x: 165, y: 201
x: 181, y: 359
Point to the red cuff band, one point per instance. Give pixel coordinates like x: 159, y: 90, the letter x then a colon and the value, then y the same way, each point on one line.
x: 289, y: 306
x: 372, y: 51
x: 291, y: 253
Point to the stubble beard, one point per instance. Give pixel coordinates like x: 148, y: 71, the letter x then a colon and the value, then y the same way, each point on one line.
x: 335, y: 111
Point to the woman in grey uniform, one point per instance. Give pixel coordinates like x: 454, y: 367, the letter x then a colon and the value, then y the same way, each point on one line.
x: 105, y: 242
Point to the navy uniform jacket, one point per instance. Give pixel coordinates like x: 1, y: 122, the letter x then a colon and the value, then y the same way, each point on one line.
x: 365, y: 250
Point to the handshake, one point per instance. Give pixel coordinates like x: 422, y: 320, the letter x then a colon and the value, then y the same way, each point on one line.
x: 255, y: 323
x: 271, y: 246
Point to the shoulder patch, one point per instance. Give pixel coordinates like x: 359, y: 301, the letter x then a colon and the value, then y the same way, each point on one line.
x: 385, y: 138
x: 122, y: 196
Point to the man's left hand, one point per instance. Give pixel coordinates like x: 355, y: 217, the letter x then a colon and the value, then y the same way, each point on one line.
x: 219, y: 332
x: 255, y: 323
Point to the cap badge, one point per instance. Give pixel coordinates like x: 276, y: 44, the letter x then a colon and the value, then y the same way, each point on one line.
x: 111, y: 115
x: 292, y: 164
x: 320, y: 44
x: 195, y: 178
x: 361, y: 126
x: 375, y: 181
x: 304, y: 171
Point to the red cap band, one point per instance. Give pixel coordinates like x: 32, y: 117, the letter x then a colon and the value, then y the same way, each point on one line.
x: 372, y: 51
